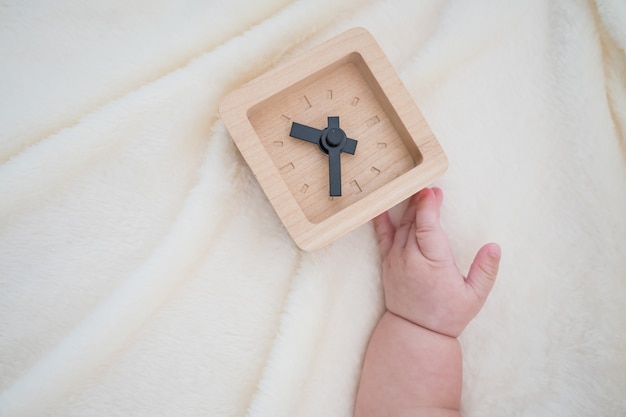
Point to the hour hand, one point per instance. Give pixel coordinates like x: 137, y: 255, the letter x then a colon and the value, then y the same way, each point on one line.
x: 310, y: 134
x: 350, y: 146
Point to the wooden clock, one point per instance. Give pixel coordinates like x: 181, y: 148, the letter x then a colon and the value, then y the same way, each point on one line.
x: 333, y: 137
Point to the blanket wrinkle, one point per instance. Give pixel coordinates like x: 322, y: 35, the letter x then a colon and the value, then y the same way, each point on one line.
x: 299, y: 327
x: 112, y: 323
x: 213, y: 272
x: 304, y: 282
x: 250, y: 188
x: 109, y: 71
x: 455, y: 46
x: 614, y: 60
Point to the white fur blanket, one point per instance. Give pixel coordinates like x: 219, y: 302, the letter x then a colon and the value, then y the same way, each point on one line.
x: 144, y: 273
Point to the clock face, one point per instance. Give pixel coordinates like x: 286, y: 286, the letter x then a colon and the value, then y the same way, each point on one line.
x: 347, y: 81
x: 339, y: 90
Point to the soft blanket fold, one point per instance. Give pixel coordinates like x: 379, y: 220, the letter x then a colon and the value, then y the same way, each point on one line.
x: 143, y: 271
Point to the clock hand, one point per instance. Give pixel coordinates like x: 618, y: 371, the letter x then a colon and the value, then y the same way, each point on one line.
x: 333, y: 142
x: 334, y: 171
x: 310, y: 134
x: 350, y: 146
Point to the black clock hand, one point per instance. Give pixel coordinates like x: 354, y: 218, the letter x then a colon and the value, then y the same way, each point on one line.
x: 310, y: 134
x: 350, y: 146
x: 334, y: 171
x: 333, y: 142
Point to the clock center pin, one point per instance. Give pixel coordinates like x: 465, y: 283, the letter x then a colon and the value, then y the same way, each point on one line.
x: 335, y: 136
x: 332, y: 137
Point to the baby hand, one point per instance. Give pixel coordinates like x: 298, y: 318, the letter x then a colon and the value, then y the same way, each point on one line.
x: 421, y: 280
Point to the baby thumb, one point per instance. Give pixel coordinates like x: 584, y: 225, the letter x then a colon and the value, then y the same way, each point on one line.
x: 482, y: 274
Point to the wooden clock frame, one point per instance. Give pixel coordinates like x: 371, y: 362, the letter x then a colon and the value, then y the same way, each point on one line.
x: 347, y: 76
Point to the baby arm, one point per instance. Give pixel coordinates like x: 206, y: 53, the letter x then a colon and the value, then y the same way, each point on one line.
x: 413, y: 364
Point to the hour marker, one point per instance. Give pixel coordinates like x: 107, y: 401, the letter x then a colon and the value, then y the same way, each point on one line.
x: 355, y: 101
x: 305, y: 188
x: 285, y: 118
x: 329, y: 94
x: 307, y: 103
x: 355, y: 187
x: 381, y: 145
x: 375, y: 170
x: 372, y: 121
x: 278, y: 143
x: 289, y: 167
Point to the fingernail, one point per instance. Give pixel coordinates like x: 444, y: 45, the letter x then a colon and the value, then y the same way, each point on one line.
x: 494, y: 251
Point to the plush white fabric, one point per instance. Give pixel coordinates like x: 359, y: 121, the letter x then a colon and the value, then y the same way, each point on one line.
x: 144, y: 273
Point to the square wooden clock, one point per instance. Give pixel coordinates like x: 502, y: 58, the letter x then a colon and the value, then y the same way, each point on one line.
x: 333, y: 137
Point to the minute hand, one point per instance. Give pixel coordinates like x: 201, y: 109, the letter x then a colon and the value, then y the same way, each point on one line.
x: 334, y: 171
